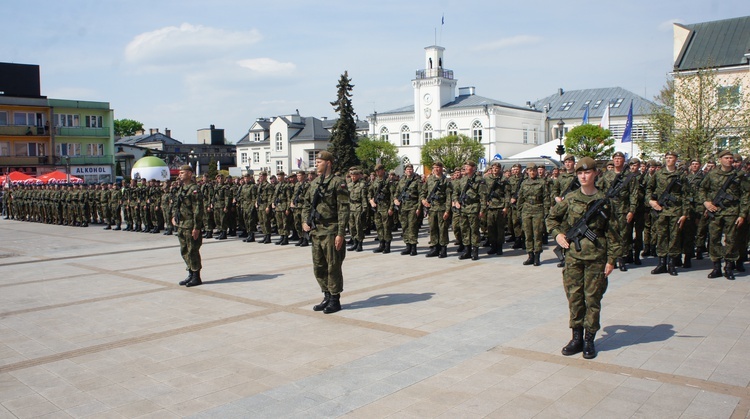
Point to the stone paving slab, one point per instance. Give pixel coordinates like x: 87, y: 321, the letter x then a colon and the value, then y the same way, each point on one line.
x: 92, y: 324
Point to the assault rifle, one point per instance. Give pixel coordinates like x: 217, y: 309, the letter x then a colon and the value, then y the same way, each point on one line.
x: 723, y: 196
x: 666, y: 199
x: 379, y: 194
x: 573, y: 185
x: 176, y: 209
x: 404, y: 195
x: 314, y: 214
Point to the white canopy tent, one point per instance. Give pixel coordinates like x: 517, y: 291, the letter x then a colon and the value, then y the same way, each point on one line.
x: 548, y: 150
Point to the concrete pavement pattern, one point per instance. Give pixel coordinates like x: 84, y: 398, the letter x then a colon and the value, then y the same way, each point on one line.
x: 93, y: 324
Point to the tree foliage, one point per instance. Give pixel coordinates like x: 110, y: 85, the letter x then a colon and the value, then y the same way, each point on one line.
x: 212, y: 170
x: 127, y: 127
x: 452, y: 150
x: 369, y: 151
x: 344, y: 130
x: 695, y: 112
x: 589, y: 140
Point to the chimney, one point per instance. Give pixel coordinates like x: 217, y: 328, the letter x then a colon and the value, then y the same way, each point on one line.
x: 560, y: 91
x: 168, y: 132
x: 467, y: 91
x: 152, y: 131
x: 139, y: 132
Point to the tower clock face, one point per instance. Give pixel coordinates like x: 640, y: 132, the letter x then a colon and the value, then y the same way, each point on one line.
x: 427, y: 98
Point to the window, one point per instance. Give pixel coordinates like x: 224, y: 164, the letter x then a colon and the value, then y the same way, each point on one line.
x: 68, y: 149
x: 257, y: 137
x: 384, y: 134
x: 452, y: 129
x: 4, y: 148
x: 95, y: 149
x: 405, y: 132
x: 24, y: 118
x: 556, y: 132
x: 729, y: 143
x: 93, y: 121
x: 67, y: 120
x: 476, y: 131
x: 728, y: 96
x: 525, y: 133
x: 597, y: 104
x: 268, y: 157
x: 279, y: 165
x: 565, y: 106
x: 3, y: 118
x: 279, y: 141
x: 535, y: 133
x: 616, y: 103
x: 427, y: 133
x: 30, y: 149
x: 243, y: 158
x: 256, y: 157
x: 311, y: 158
x: 586, y: 103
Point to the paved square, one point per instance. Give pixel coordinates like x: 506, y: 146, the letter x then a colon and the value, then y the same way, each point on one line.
x: 93, y: 324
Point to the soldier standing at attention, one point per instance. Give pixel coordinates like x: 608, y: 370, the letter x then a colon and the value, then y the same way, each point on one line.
x: 695, y: 208
x: 467, y: 196
x: 188, y: 213
x: 666, y: 195
x: 380, y: 200
x: 586, y: 269
x: 625, y: 202
x: 280, y: 204
x: 325, y: 214
x: 533, y: 204
x: 264, y: 191
x: 514, y: 224
x: 496, y: 204
x: 726, y: 216
x: 407, y: 198
x: 358, y: 208
x: 436, y: 198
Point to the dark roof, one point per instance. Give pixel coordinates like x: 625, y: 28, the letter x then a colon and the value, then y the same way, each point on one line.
x: 721, y: 43
x: 147, y: 138
x: 311, y: 130
x: 606, y: 95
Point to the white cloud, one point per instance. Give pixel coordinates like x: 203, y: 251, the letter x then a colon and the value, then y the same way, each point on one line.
x: 186, y: 44
x: 512, y: 41
x: 267, y: 66
x: 666, y: 26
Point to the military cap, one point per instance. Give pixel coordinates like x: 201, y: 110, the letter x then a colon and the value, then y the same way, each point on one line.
x: 409, y: 166
x: 186, y: 167
x: 723, y: 153
x: 220, y: 175
x: 531, y: 166
x: 392, y: 172
x: 570, y: 157
x: 470, y: 163
x: 635, y: 160
x: 280, y: 173
x: 263, y: 173
x: 585, y: 163
x: 438, y: 164
x: 301, y: 172
x: 737, y: 157
x: 518, y: 165
x: 619, y: 154
x: 671, y: 153
x: 356, y: 172
x: 610, y: 163
x: 250, y: 172
x: 325, y: 155
x: 653, y: 162
x: 496, y: 164
x: 379, y: 167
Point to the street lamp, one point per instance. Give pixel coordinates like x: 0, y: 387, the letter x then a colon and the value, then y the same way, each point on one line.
x: 560, y: 149
x: 193, y: 158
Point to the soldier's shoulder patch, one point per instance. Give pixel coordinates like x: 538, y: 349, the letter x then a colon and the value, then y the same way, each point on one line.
x: 343, y: 185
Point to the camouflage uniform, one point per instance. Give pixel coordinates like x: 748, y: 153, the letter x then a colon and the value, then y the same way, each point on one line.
x: 496, y: 204
x: 468, y: 193
x: 408, y: 190
x: 358, y: 209
x: 533, y: 205
x: 438, y: 193
x: 380, y: 193
x: 188, y: 212
x: 668, y: 233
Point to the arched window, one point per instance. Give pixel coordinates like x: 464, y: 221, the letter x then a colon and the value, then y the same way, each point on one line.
x: 427, y: 135
x: 405, y: 161
x: 384, y: 134
x: 279, y: 141
x: 476, y: 131
x: 405, y: 132
x: 452, y: 129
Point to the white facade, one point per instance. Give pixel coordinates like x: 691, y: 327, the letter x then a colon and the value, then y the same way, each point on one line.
x: 502, y: 128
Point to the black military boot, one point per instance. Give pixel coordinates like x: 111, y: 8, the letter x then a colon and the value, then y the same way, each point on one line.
x: 209, y: 234
x: 285, y: 241
x: 278, y: 242
x: 108, y: 227
x: 387, y: 248
x: 589, y: 351
x: 518, y: 243
x: 334, y: 304
x: 250, y: 237
x: 323, y: 304
x: 475, y: 253
x: 739, y: 266
x: 295, y: 236
x: 678, y: 261
x: 350, y: 241
x: 380, y: 248
x: 493, y: 249
x: 537, y: 256
x: 672, y: 265
x: 222, y: 235
x: 576, y: 343
x: 699, y: 252
x: 117, y: 227
x: 266, y: 239
x: 466, y: 253
x: 687, y: 263
x: 359, y: 245
x: 188, y: 279
x: 413, y: 250
x: 646, y: 251
x: 499, y: 249
x: 406, y: 250
x: 434, y: 251
x: 661, y: 267
x: 195, y: 281
x: 716, y: 272
x: 729, y: 269
x: 460, y: 248
x: 530, y: 260
x: 443, y: 252
x: 637, y: 258
x: 621, y: 264
x: 353, y: 246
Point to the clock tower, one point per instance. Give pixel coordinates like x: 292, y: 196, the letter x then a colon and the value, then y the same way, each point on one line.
x: 434, y: 86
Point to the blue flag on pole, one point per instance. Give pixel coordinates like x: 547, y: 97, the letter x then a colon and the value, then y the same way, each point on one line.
x: 586, y: 115
x: 627, y: 135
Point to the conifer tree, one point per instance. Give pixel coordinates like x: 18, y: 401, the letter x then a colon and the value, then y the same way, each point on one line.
x: 344, y: 131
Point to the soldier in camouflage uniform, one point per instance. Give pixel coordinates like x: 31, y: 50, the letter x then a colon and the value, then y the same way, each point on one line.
x: 436, y: 199
x: 410, y: 209
x: 566, y: 182
x: 115, y: 205
x: 726, y: 216
x: 467, y: 198
x: 496, y: 205
x: 586, y: 270
x: 533, y: 204
x: 207, y: 191
x: 358, y: 209
x: 669, y: 216
x: 282, y: 195
x: 326, y: 206
x: 165, y: 205
x: 380, y: 200
x: 188, y: 219
x: 639, y: 219
x: 695, y: 211
x: 263, y: 206
x: 514, y: 218
x: 220, y: 206
x: 247, y: 197
x: 624, y: 203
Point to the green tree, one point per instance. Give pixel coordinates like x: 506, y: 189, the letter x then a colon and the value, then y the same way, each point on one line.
x: 452, y: 150
x: 212, y: 171
x: 589, y: 140
x: 697, y: 113
x: 127, y: 127
x: 344, y: 130
x: 370, y: 150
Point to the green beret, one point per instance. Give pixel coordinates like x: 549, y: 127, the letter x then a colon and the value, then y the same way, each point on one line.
x: 635, y: 160
x: 619, y: 154
x: 325, y: 155
x: 585, y: 163
x: 723, y: 153
x: 186, y: 167
x: 570, y: 157
x: 671, y: 153
x: 531, y: 166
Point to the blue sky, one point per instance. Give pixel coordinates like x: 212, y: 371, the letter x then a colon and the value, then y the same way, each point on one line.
x: 187, y: 64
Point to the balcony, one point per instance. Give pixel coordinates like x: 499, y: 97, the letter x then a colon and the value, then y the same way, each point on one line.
x: 82, y: 132
x: 24, y: 160
x: 434, y: 72
x: 22, y: 130
x: 79, y: 160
